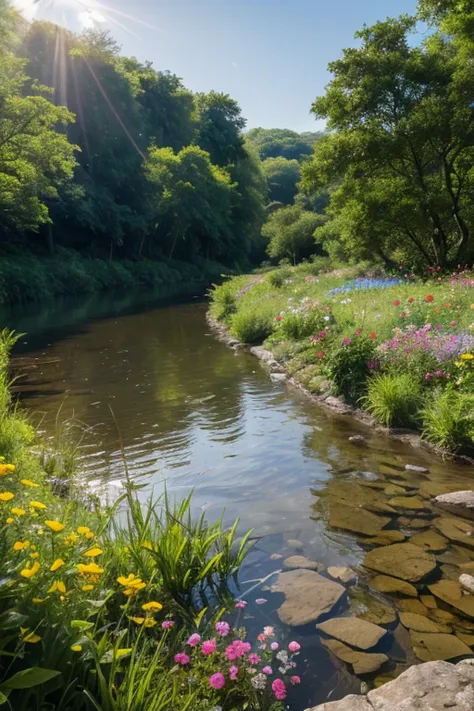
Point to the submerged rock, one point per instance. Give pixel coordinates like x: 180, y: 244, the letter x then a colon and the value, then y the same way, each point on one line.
x: 460, y: 503
x: 342, y: 573
x: 386, y: 584
x: 413, y: 523
x: 456, y: 530
x: 429, y: 601
x: 430, y: 541
x: 432, y: 647
x: 308, y: 596
x: 402, y: 560
x: 368, y: 608
x: 294, y: 543
x: 356, y: 520
x: 362, y: 663
x: 384, y: 538
x: 450, y: 591
x: 420, y: 623
x: 415, y: 606
x: 300, y: 561
x: 412, y: 503
x: 358, y: 633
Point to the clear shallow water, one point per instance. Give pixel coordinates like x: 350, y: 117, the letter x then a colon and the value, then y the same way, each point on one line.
x: 189, y: 412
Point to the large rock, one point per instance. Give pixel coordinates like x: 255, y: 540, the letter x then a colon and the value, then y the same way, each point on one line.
x: 386, y: 537
x: 308, y: 596
x: 386, y: 584
x: 412, y: 503
x: 460, y: 503
x: 430, y: 541
x: 362, y: 662
x: 366, y: 607
x: 342, y: 573
x: 456, y: 530
x: 358, y: 633
x: 432, y: 647
x: 435, y: 686
x: 300, y: 561
x: 420, y: 623
x: 350, y: 518
x: 467, y: 582
x: 450, y: 591
x: 402, y: 560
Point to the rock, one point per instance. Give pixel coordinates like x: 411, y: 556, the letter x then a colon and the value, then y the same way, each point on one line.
x: 412, y: 503
x: 357, y: 439
x: 456, y: 530
x: 430, y: 541
x: 343, y: 573
x: 467, y: 582
x: 413, y: 468
x: 294, y: 543
x: 394, y: 490
x: 350, y: 703
x: 308, y: 596
x: 356, y: 520
x: 367, y: 607
x: 460, y: 503
x: 278, y: 377
x: 465, y: 637
x: 262, y: 353
x: 414, y: 606
x: 451, y: 592
x: 300, y: 561
x: 276, y: 556
x: 384, y: 538
x: 413, y: 523
x: 419, y: 623
x: 402, y: 560
x: 386, y: 584
x: 355, y: 494
x: 467, y: 566
x: 429, y: 601
x: 337, y: 404
x: 358, y: 633
x: 432, y: 647
x: 362, y: 662
x: 441, y: 616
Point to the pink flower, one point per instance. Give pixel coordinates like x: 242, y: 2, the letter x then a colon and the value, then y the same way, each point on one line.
x: 223, y: 628
x: 262, y: 646
x: 346, y: 341
x: 261, y: 600
x: 194, y: 640
x: 233, y: 671
x: 217, y: 681
x: 358, y: 332
x: 295, y: 680
x: 167, y: 624
x: 208, y: 647
x: 294, y: 647
x: 428, y: 376
x: 396, y: 303
x: 237, y: 649
x: 274, y: 645
x: 254, y: 658
x: 181, y: 658
x: 279, y: 689
x: 267, y: 670
x: 268, y: 631
x: 453, y: 323
x: 240, y: 605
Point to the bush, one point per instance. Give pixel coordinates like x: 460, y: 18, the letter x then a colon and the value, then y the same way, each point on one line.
x: 251, y: 327
x: 277, y: 277
x: 448, y: 420
x: 294, y: 327
x: 223, y: 302
x: 394, y: 400
x: 348, y: 367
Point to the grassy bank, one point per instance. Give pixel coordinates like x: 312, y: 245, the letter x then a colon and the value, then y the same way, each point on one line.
x: 128, y: 608
x: 25, y: 276
x: 399, y: 346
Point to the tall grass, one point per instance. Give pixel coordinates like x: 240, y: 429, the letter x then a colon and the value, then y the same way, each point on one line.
x: 394, y: 400
x: 448, y: 420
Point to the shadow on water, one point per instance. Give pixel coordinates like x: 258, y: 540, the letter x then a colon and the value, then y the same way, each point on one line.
x: 194, y: 414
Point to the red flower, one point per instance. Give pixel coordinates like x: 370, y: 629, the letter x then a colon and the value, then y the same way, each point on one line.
x: 411, y: 300
x: 321, y: 354
x: 278, y: 318
x: 429, y: 298
x: 403, y: 315
x: 372, y: 335
x: 396, y: 303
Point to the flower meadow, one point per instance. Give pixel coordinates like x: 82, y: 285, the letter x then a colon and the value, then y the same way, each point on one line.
x: 359, y: 333
x: 123, y: 608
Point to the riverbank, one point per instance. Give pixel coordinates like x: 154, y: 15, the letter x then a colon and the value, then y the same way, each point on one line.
x: 25, y: 276
x: 397, y: 352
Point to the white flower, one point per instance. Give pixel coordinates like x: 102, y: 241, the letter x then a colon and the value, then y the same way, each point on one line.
x: 327, y: 318
x: 282, y: 656
x: 259, y: 682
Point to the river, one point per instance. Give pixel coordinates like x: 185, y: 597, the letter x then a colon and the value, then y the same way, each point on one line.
x: 147, y: 377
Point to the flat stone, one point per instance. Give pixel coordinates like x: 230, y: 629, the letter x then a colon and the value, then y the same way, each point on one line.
x: 451, y: 592
x: 419, y: 623
x: 442, y: 616
x: 385, y: 537
x: 460, y: 503
x: 358, y: 633
x: 402, y: 560
x: 429, y: 601
x: 276, y: 556
x: 413, y: 503
x: 432, y: 647
x: 386, y: 584
x: 468, y: 567
x: 300, y: 561
x: 352, y: 493
x: 415, y: 606
x: 294, y: 543
x: 467, y: 582
x: 308, y: 596
x: 367, y: 607
x: 356, y: 520
x: 414, y: 468
x: 456, y: 530
x: 350, y: 703
x: 465, y: 637
x: 362, y: 662
x: 394, y: 490
x: 278, y: 377
x: 342, y: 573
x: 413, y: 523
x: 430, y: 541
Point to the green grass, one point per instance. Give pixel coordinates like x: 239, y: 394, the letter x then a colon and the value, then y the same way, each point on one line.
x: 394, y: 400
x: 448, y: 421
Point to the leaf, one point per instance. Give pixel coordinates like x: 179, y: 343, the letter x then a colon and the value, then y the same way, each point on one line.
x: 27, y: 678
x: 82, y: 625
x: 3, y: 698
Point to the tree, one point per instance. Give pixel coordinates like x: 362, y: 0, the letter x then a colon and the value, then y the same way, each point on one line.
x: 401, y: 147
x: 290, y: 233
x: 282, y: 177
x: 281, y: 142
x: 219, y: 127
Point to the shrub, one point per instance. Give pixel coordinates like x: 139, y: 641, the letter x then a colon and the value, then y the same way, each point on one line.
x: 296, y: 326
x: 223, y: 302
x: 348, y: 367
x: 277, y: 277
x: 251, y: 327
x: 448, y: 420
x: 394, y: 400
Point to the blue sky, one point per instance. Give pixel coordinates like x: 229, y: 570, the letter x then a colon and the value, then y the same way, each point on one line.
x: 271, y: 55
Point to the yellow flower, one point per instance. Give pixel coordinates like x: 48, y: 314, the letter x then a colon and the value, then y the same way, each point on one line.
x: 122, y: 652
x: 10, y: 520
x: 467, y: 356
x: 28, y: 482
x: 87, y: 588
x: 147, y: 545
x: 39, y: 600
x: 37, y: 505
x: 17, y: 512
x: 89, y: 569
x: 138, y: 620
x: 76, y: 648
x: 71, y: 538
x: 149, y: 622
x: 93, y: 552
x: 82, y: 530
x: 58, y: 586
x: 131, y: 583
x: 58, y: 563
x: 55, y: 526
x: 34, y: 555
x: 20, y: 545
x: 6, y: 496
x: 29, y: 572
x: 89, y: 535
x: 6, y: 469
x: 28, y: 636
x: 152, y: 606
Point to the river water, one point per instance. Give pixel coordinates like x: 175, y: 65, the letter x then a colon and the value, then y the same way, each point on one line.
x: 148, y: 377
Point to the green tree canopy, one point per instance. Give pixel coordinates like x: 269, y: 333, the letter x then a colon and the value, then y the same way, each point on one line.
x: 282, y: 177
x: 290, y: 233
x: 281, y: 142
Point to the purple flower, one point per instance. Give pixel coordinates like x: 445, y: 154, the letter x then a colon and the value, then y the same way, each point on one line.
x: 223, y: 628
x: 428, y: 376
x: 181, y: 658
x: 267, y: 670
x: 274, y: 645
x: 346, y: 341
x: 194, y: 640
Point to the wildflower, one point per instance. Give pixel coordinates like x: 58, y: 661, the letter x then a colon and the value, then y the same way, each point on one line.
x: 269, y: 631
x: 87, y: 588
x: 428, y: 376
x: 17, y: 512
x: 240, y: 605
x: 358, y: 332
x: 259, y: 682
x: 278, y: 318
x: 429, y: 298
x: 168, y: 624
x: 93, y: 552
x: 282, y: 656
x: 217, y: 681
x: 294, y: 647
x: 396, y: 303
x: 57, y: 586
x: 279, y: 689
x: 82, y: 530
x: 439, y: 373
x: 28, y: 572
x: 194, y: 640
x: 132, y: 581
x: 89, y: 569
x: 208, y: 647
x: 233, y: 671
x: 28, y: 482
x: 10, y: 520
x: 403, y: 314
x: 152, y: 606
x: 20, y: 545
x: 411, y: 300
x: 30, y: 637
x: 37, y: 505
x: 261, y: 600
x: 467, y: 356
x: 6, y: 496
x: 274, y: 646
x: 55, y: 526
x: 58, y: 563
x: 267, y: 670
x: 182, y: 658
x: 223, y: 628
x: 346, y: 341
x: 76, y: 648
x: 295, y: 680
x: 453, y: 323
x: 372, y: 335
x: 6, y: 469
x: 70, y: 538
x: 138, y: 620
x: 254, y: 658
x: 320, y: 355
x: 237, y: 649
x: 34, y: 555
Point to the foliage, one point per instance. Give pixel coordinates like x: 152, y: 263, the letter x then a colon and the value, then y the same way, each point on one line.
x: 448, y: 421
x: 290, y: 233
x: 282, y: 177
x: 393, y: 400
x: 348, y: 367
x: 251, y: 326
x: 223, y: 302
x: 281, y: 142
x: 296, y: 326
